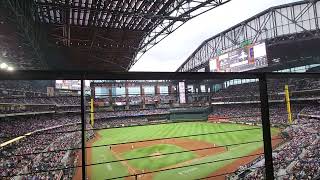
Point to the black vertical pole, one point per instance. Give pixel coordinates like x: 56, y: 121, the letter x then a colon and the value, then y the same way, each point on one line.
x: 83, y: 132
x: 266, y: 127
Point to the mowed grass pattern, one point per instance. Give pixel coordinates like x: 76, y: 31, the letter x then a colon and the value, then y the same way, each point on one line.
x: 154, y: 163
x: 130, y: 134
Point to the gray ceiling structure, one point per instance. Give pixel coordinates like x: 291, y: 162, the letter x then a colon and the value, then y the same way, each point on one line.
x: 94, y: 34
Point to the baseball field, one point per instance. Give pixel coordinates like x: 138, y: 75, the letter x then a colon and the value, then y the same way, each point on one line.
x: 199, y: 154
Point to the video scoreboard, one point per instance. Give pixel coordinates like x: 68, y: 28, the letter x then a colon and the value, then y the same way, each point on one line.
x: 243, y: 59
x: 68, y: 84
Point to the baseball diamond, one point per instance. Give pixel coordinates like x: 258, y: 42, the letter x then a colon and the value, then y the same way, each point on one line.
x: 156, y: 153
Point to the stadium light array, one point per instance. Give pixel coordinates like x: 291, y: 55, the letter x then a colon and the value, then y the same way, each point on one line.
x: 10, y: 68
x: 3, y: 66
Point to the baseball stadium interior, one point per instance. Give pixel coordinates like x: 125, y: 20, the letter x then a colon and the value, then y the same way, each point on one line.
x: 244, y: 105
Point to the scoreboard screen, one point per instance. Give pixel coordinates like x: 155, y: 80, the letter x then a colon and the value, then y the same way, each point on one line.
x: 68, y: 84
x: 244, y: 59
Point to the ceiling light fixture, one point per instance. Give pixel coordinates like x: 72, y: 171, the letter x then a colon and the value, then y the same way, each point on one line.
x: 3, y: 65
x: 10, y: 68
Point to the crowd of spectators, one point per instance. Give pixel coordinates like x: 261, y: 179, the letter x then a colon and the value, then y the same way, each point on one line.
x: 252, y: 113
x: 39, y: 104
x: 305, y: 84
x: 18, y: 93
x: 164, y: 106
x: 298, y: 157
x: 311, y: 110
x: 55, y: 100
x: 307, y: 166
x: 250, y: 91
x: 137, y: 99
x: 30, y: 155
x: 9, y: 109
x: 135, y: 107
x: 237, y: 90
x: 27, y: 157
x: 130, y: 113
x: 31, y: 104
x: 120, y: 122
x: 150, y: 99
x: 22, y: 87
x: 19, y: 125
x: 165, y: 99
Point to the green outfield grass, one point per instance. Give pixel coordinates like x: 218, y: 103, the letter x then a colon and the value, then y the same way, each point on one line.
x: 129, y: 134
x: 158, y: 162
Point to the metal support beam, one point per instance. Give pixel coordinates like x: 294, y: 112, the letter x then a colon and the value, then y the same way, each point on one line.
x: 83, y: 132
x: 159, y: 32
x: 273, y: 25
x: 144, y: 23
x: 266, y: 127
x: 100, y: 9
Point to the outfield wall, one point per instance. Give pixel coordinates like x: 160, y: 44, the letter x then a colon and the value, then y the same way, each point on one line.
x: 185, y: 116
